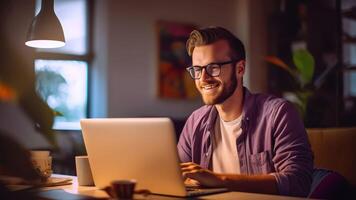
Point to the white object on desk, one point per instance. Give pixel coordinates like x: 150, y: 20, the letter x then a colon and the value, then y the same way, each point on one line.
x: 42, y: 161
x: 85, y: 177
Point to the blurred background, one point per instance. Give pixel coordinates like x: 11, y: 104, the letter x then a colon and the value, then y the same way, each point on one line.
x: 126, y: 58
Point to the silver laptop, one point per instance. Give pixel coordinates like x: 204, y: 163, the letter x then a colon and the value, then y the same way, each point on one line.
x: 137, y: 148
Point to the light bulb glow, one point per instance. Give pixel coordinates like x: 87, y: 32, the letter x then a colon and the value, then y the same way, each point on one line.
x: 45, y: 43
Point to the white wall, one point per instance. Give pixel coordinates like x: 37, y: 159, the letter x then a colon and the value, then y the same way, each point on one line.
x: 126, y: 51
x: 252, y: 20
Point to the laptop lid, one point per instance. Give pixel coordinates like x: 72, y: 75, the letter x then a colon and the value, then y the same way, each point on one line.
x: 134, y: 148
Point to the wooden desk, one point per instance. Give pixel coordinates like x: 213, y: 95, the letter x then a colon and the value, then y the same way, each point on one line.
x: 95, y: 192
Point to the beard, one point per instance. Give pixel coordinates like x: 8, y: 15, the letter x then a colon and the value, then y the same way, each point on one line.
x: 227, y: 91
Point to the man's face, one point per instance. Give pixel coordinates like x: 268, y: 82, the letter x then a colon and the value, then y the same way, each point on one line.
x: 215, y: 90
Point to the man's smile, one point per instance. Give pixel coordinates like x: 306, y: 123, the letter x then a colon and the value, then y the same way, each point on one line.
x: 209, y: 88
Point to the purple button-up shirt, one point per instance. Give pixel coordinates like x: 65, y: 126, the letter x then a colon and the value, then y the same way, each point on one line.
x: 273, y: 141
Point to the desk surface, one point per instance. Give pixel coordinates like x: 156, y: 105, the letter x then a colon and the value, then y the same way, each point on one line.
x: 95, y: 192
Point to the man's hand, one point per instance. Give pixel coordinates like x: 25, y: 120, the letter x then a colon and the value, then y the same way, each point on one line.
x: 205, y: 177
x: 234, y: 182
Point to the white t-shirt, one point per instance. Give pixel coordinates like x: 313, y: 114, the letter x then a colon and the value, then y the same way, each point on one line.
x: 225, y: 158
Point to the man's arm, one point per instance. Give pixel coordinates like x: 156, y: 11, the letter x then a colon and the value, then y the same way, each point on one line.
x: 184, y: 144
x: 293, y: 159
x: 234, y: 182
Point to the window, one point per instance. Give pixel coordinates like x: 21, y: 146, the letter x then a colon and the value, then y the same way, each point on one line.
x: 63, y: 85
x: 62, y: 73
x: 349, y: 49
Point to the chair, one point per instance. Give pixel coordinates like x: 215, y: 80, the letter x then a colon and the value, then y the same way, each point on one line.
x: 328, y: 184
x: 335, y: 162
x: 334, y: 149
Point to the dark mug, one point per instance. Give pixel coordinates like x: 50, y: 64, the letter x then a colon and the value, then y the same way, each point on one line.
x: 123, y: 189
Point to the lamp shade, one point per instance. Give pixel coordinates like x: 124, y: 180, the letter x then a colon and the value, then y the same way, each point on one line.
x: 45, y: 31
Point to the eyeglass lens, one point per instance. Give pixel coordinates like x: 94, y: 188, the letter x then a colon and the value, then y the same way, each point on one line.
x: 212, y: 70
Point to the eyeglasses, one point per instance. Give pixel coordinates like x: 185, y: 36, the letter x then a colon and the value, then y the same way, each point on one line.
x: 212, y: 69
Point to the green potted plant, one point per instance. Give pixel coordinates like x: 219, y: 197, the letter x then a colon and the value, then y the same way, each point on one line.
x: 302, y: 74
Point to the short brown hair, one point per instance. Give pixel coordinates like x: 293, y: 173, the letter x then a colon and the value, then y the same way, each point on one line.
x: 210, y: 35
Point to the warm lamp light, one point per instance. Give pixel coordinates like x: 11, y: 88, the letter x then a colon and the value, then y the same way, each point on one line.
x: 45, y: 31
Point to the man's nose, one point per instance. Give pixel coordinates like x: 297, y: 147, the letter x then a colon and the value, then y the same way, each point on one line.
x: 204, y: 75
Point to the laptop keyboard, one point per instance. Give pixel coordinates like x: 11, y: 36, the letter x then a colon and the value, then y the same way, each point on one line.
x: 188, y: 189
x: 196, y: 191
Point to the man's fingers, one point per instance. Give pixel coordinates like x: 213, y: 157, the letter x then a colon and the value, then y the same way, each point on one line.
x: 191, y: 174
x: 187, y: 164
x: 189, y: 168
x: 191, y: 182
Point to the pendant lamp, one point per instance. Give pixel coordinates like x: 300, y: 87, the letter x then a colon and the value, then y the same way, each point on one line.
x: 45, y: 31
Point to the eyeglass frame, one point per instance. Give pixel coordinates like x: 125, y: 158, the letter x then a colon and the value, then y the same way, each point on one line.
x: 220, y: 64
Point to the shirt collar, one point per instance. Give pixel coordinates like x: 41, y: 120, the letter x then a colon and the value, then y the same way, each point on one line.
x: 247, y: 110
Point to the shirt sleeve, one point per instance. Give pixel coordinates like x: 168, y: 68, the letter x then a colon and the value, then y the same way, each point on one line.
x: 293, y: 157
x: 184, y: 143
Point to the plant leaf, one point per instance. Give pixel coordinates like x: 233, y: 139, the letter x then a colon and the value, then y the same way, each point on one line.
x: 40, y: 113
x: 304, y: 63
x: 279, y: 63
x: 57, y: 113
x: 276, y: 61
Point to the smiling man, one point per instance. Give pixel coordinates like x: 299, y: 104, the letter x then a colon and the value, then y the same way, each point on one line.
x: 239, y: 140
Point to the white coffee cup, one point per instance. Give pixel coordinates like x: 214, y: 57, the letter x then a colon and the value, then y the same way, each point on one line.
x: 84, y: 174
x: 42, y: 161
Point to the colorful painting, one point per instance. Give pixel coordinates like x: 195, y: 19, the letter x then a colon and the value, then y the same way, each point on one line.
x: 174, y: 81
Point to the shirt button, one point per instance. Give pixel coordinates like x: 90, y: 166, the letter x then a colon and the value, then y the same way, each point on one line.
x: 206, y: 154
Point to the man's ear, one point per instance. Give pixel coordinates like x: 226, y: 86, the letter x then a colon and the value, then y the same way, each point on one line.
x: 240, y: 68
